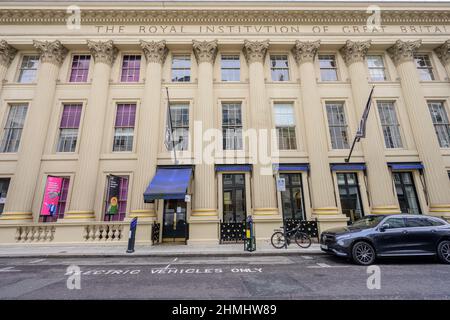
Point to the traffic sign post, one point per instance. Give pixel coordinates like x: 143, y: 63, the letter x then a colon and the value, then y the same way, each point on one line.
x: 132, y: 235
x: 249, y: 242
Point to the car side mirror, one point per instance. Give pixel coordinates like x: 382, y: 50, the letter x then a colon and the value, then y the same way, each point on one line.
x: 384, y: 227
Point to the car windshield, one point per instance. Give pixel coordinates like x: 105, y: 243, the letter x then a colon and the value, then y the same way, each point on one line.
x: 367, y: 222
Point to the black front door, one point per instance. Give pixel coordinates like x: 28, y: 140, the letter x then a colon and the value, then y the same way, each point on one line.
x: 174, y: 220
x: 406, y: 192
x: 292, y: 198
x: 234, y: 208
x: 350, y: 196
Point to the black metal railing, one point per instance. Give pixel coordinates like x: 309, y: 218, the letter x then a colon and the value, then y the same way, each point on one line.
x: 156, y: 228
x: 308, y: 227
x: 232, y: 232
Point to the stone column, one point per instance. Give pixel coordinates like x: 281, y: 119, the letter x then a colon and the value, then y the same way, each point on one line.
x: 205, y: 202
x: 85, y: 180
x: 443, y: 53
x: 7, y: 54
x: 264, y: 195
x: 22, y: 188
x: 322, y: 187
x: 148, y: 128
x: 436, y: 178
x: 382, y: 196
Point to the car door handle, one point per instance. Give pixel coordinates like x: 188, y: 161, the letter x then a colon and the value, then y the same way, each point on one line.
x: 405, y: 231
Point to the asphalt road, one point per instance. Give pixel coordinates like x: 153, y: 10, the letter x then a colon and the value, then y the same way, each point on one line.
x: 271, y: 277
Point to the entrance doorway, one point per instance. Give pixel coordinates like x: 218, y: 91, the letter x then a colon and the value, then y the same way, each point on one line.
x: 175, y: 227
x: 406, y: 192
x: 292, y: 198
x: 350, y: 196
x: 234, y: 207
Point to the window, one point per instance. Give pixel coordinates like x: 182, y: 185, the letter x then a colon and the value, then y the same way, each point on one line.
x: 68, y: 128
x: 424, y: 66
x: 376, y: 68
x: 417, y: 222
x: 395, y: 223
x: 234, y: 206
x: 28, y: 69
x: 337, y: 125
x: 406, y: 192
x: 62, y: 201
x: 180, y: 126
x: 80, y: 68
x: 390, y: 125
x: 181, y: 68
x: 230, y: 67
x: 279, y: 68
x: 440, y: 122
x: 124, y: 127
x: 131, y: 67
x: 328, y: 68
x: 232, y: 126
x: 292, y: 198
x: 350, y: 196
x: 13, y: 128
x: 285, y: 126
x: 4, y: 185
x: 122, y: 201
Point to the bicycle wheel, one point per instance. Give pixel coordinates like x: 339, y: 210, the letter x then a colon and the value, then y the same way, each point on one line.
x: 302, y: 240
x: 278, y: 240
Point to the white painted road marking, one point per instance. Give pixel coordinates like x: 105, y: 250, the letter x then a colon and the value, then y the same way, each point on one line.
x: 9, y: 269
x: 37, y: 261
x: 323, y: 265
x: 307, y: 257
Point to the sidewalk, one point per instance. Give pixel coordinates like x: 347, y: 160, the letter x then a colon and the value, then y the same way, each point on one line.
x: 160, y: 250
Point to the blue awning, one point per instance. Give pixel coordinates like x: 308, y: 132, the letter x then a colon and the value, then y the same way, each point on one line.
x: 233, y: 167
x: 347, y: 166
x: 168, y: 183
x: 405, y: 165
x: 280, y: 167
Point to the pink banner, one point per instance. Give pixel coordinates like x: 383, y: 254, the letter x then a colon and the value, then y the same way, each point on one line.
x: 51, y: 196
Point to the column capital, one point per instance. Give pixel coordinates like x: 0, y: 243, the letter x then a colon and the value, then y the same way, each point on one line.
x: 255, y: 51
x: 443, y: 52
x: 305, y: 51
x: 205, y: 51
x: 155, y: 51
x: 7, y: 53
x: 354, y: 51
x: 52, y: 52
x: 103, y: 51
x: 404, y: 50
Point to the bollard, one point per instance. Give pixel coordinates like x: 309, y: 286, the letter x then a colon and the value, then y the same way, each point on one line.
x: 249, y: 242
x: 132, y: 235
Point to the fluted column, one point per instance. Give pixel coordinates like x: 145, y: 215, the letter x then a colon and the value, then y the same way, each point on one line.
x: 7, y: 54
x: 383, y: 198
x: 205, y: 195
x: 264, y: 196
x: 443, y: 53
x: 322, y: 187
x: 438, y: 184
x: 22, y: 189
x: 148, y: 128
x: 85, y: 180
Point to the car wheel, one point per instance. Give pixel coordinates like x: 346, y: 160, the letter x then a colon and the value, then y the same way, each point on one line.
x: 443, y: 251
x: 363, y: 253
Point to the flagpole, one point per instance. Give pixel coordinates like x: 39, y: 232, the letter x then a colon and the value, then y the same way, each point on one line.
x: 362, y: 126
x: 170, y: 124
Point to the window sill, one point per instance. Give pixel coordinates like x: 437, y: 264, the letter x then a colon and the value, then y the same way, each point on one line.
x: 119, y: 156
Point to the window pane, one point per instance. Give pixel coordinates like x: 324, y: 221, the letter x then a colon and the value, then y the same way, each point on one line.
x: 279, y: 68
x: 124, y: 127
x: 28, y: 69
x: 337, y: 125
x: 181, y: 68
x: 4, y: 186
x: 441, y: 123
x: 80, y: 68
x: 180, y: 126
x: 390, y: 125
x: 13, y: 128
x: 230, y: 67
x: 424, y: 67
x: 131, y: 67
x: 232, y: 126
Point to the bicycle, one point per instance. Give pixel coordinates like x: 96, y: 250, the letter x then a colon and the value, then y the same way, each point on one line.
x: 282, y: 239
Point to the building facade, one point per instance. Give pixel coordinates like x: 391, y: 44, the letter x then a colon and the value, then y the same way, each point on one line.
x: 264, y: 106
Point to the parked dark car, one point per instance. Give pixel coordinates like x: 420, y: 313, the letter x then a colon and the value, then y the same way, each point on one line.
x: 376, y: 236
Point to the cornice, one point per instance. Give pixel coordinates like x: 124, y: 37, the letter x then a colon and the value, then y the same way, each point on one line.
x: 241, y: 16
